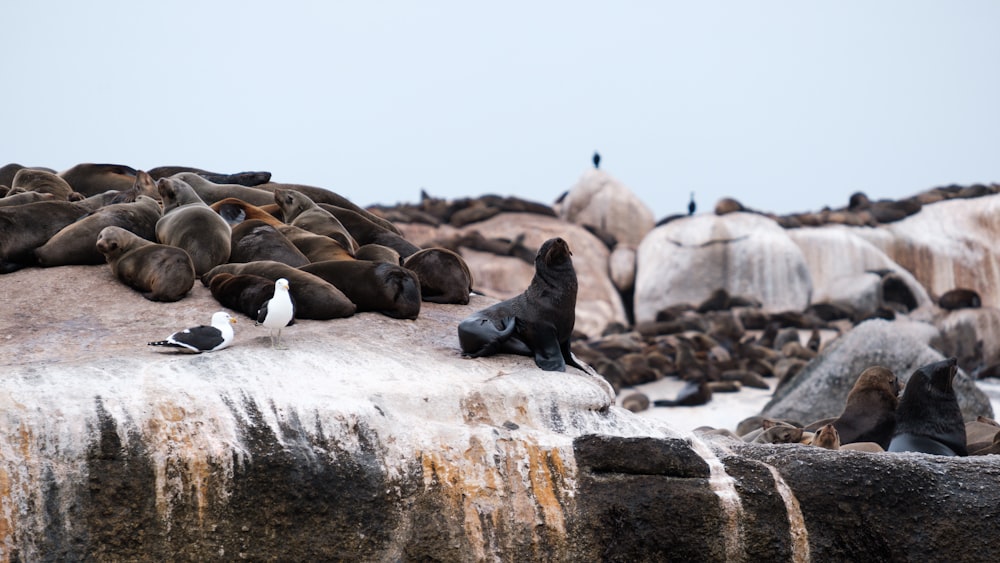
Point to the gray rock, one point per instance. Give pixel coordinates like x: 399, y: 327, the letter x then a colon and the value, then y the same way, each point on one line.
x: 821, y: 388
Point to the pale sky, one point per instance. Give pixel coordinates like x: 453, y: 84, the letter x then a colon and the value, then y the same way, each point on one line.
x: 785, y: 105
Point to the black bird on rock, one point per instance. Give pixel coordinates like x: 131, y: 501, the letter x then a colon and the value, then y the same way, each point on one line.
x: 597, y: 160
x: 691, y: 205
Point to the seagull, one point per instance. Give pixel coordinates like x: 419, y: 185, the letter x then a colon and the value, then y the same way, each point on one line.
x: 597, y: 160
x: 203, y: 338
x: 277, y: 312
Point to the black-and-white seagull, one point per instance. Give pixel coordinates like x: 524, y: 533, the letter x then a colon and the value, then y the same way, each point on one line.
x: 277, y: 312
x: 203, y: 338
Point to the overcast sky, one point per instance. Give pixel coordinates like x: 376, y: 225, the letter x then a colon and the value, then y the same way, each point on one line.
x: 786, y: 106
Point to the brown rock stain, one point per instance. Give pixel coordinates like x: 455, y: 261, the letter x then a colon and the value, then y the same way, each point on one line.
x: 182, y: 467
x: 502, y: 490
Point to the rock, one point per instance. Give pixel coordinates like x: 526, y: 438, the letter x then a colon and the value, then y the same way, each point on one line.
x: 621, y: 267
x: 685, y: 260
x: 971, y: 335
x: 600, y: 200
x: 820, y: 389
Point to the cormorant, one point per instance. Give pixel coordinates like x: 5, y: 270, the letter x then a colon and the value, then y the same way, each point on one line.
x: 691, y: 205
x: 597, y: 160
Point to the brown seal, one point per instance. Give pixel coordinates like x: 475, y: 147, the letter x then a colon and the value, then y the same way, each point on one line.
x: 92, y: 179
x: 317, y: 248
x: 373, y: 286
x: 235, y: 211
x: 869, y: 413
x: 444, y: 276
x: 256, y: 240
x: 75, y: 243
x: 41, y: 181
x: 378, y: 253
x: 241, y: 292
x: 314, y: 297
x: 23, y: 228
x: 960, y: 298
x: 827, y: 437
x: 190, y: 224
x: 248, y: 178
x: 366, y: 231
x: 210, y: 192
x: 538, y: 322
x: 27, y: 197
x: 300, y: 211
x: 158, y: 271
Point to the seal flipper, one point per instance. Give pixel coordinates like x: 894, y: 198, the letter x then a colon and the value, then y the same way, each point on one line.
x: 548, y: 353
x: 568, y: 356
x: 479, y: 336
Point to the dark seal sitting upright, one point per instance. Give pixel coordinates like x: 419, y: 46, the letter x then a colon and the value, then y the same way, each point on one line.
x: 928, y: 418
x: 536, y: 323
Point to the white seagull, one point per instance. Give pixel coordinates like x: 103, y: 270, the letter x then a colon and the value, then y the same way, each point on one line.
x: 203, y: 338
x: 277, y: 312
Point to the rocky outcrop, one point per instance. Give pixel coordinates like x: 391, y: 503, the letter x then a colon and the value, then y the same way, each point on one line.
x: 820, y: 389
x: 601, y: 201
x: 685, y: 260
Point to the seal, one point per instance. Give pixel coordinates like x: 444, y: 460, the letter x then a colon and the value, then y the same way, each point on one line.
x: 92, y: 179
x: 210, y: 192
x: 869, y: 413
x: 244, y: 293
x: 256, y: 240
x: 314, y: 297
x: 158, y: 271
x: 249, y: 178
x: 42, y: 181
x: 960, y: 298
x: 384, y: 288
x: 235, y: 211
x: 22, y: 198
x: 694, y: 393
x: 444, y: 275
x: 317, y: 248
x: 23, y: 228
x: 928, y: 418
x: 366, y: 231
x: 538, y: 322
x: 300, y: 211
x: 827, y: 437
x: 76, y: 243
x: 190, y: 224
x: 323, y: 195
x: 378, y: 253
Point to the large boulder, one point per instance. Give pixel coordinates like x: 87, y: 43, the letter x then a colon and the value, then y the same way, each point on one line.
x: 820, y: 389
x: 846, y: 269
x: 949, y: 244
x: 601, y: 201
x: 687, y: 259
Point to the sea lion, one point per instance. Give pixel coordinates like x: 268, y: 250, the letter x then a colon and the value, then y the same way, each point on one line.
x: 317, y: 248
x: 365, y: 231
x: 378, y: 253
x: 928, y: 418
x: 779, y: 434
x: 827, y: 437
x: 159, y: 272
x: 190, y: 224
x: 235, y: 211
x: 23, y: 228
x: 960, y: 298
x: 694, y: 393
x: 91, y: 179
x: 373, y: 286
x: 323, y: 195
x: 210, y: 192
x: 27, y: 197
x: 314, y: 297
x: 241, y: 292
x: 869, y: 413
x: 75, y: 243
x: 249, y: 178
x: 444, y: 275
x: 538, y: 322
x: 256, y: 240
x: 41, y: 181
x: 300, y: 211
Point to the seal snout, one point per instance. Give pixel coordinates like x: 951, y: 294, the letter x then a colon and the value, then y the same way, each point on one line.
x: 943, y: 374
x: 555, y: 251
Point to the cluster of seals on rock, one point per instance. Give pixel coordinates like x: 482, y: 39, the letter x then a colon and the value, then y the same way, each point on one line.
x: 302, y: 212
x: 537, y: 322
x: 314, y: 297
x: 460, y: 212
x: 159, y: 272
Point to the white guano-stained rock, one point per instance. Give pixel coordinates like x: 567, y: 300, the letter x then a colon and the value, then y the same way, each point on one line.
x: 685, y: 260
